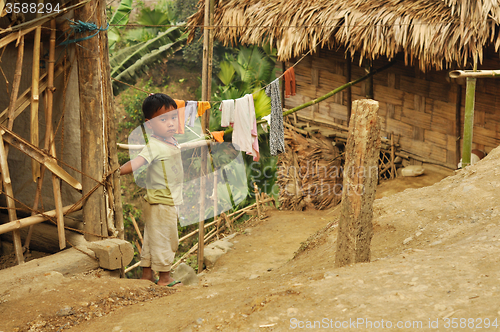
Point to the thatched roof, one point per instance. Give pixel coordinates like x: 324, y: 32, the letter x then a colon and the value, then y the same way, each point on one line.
x: 431, y: 33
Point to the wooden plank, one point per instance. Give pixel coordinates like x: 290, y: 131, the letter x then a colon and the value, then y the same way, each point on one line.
x: 39, y: 155
x: 11, y: 205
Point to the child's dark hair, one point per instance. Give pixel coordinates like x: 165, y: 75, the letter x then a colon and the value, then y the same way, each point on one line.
x: 156, y: 101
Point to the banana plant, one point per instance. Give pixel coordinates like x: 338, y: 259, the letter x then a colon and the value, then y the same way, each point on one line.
x: 128, y: 64
x: 120, y: 16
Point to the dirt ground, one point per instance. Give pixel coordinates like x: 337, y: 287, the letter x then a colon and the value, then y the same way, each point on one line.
x: 434, y: 266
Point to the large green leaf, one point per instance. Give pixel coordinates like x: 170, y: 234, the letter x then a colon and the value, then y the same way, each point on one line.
x: 130, y: 55
x: 120, y: 16
x: 133, y: 72
x: 226, y: 73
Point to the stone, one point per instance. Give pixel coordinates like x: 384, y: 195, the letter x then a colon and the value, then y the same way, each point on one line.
x: 185, y: 274
x: 211, y: 255
x: 112, y: 253
x: 66, y: 311
x: 213, y: 251
x: 407, y: 240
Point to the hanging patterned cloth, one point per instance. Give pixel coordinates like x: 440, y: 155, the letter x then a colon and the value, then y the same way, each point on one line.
x: 276, y: 132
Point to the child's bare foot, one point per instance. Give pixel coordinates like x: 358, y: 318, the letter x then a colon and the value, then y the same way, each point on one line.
x: 167, y: 280
x: 147, y: 274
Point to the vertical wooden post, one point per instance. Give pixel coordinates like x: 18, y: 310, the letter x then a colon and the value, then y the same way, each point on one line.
x: 360, y: 182
x: 35, y: 97
x: 348, y: 92
x: 470, y: 94
x: 369, y: 81
x: 11, y: 205
x: 256, y: 191
x: 102, y: 209
x: 458, y: 120
x: 392, y: 157
x: 49, y: 135
x: 206, y: 82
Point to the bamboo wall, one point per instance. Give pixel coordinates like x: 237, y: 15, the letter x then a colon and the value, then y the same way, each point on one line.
x: 420, y: 107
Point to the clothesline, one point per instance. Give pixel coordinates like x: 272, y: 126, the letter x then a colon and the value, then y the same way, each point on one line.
x: 219, y: 101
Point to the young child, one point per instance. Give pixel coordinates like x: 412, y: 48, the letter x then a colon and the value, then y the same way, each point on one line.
x: 163, y: 187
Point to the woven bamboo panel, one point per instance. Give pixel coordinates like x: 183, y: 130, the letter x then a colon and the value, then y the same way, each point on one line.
x: 436, y: 138
x: 388, y: 95
x: 418, y: 119
x: 443, y: 125
x: 438, y: 91
x: 415, y: 86
x: 446, y: 110
x: 398, y: 127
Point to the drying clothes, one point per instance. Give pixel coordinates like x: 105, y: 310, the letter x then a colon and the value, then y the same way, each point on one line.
x: 181, y: 115
x: 218, y: 136
x: 255, y: 144
x: 202, y: 107
x: 276, y: 133
x: 227, y: 109
x: 289, y: 82
x: 267, y: 123
x: 245, y: 126
x: 191, y: 112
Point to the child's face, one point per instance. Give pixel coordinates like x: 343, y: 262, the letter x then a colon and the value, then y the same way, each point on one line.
x: 164, y: 123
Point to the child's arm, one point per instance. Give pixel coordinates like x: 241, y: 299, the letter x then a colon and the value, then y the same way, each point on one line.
x: 132, y: 165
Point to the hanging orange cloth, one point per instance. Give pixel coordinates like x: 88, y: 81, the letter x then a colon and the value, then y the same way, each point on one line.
x: 181, y: 112
x: 202, y: 107
x: 218, y: 136
x: 289, y: 82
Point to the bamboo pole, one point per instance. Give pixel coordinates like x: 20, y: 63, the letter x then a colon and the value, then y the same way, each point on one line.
x: 468, y: 121
x: 134, y: 222
x: 35, y: 80
x: 15, y: 87
x: 39, y: 155
x: 205, y: 96
x: 392, y: 156
x: 474, y: 73
x: 256, y: 191
x: 349, y: 93
x: 458, y: 120
x: 337, y: 90
x: 49, y: 135
x: 11, y: 205
x: 38, y: 194
x: 17, y: 224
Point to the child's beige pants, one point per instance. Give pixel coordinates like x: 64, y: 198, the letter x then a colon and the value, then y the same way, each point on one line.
x: 161, y: 239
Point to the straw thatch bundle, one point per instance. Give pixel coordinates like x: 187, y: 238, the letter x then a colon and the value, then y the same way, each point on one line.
x: 309, y: 173
x: 430, y: 33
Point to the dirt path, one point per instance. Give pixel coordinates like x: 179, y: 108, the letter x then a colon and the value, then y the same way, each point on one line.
x: 434, y: 258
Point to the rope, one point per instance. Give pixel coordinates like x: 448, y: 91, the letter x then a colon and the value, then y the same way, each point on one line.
x: 81, y: 27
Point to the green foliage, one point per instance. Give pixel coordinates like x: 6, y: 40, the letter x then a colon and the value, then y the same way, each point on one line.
x: 120, y: 16
x: 130, y: 63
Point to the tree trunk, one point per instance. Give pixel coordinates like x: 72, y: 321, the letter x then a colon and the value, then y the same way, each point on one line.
x: 360, y: 181
x: 102, y: 210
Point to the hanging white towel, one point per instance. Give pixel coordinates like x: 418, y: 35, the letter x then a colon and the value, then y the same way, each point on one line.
x: 191, y: 112
x: 245, y: 127
x: 227, y: 109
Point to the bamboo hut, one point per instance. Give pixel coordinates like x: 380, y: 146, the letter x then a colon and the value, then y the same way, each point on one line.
x: 57, y: 140
x: 343, y: 40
